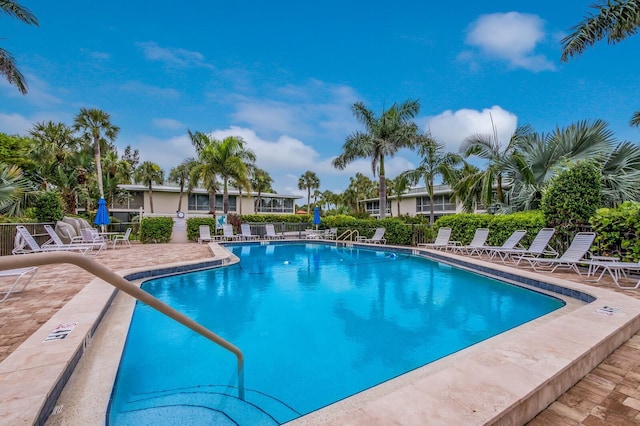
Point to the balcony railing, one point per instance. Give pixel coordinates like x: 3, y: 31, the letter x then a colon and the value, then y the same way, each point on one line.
x: 449, y: 207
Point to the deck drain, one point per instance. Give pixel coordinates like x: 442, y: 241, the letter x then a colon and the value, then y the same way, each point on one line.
x: 57, y: 409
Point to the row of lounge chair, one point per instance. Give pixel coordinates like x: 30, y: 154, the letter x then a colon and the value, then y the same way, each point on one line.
x: 540, y: 255
x: 228, y: 235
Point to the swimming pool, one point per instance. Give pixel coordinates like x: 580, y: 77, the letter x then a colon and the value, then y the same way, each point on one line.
x: 317, y: 323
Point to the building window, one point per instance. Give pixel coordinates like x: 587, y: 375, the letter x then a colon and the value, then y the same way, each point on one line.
x: 441, y: 203
x: 274, y: 205
x: 200, y: 202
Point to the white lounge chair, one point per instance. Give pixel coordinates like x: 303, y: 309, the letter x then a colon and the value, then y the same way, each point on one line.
x: 571, y: 258
x: 19, y: 273
x: 271, y: 233
x: 123, y: 238
x: 617, y: 270
x: 90, y: 239
x: 511, y: 243
x: 441, y: 241
x: 245, y: 229
x: 205, y: 234
x: 478, y: 242
x: 378, y: 237
x: 539, y: 247
x: 227, y: 233
x: 34, y: 247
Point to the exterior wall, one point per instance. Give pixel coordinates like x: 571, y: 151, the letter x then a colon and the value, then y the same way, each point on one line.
x: 407, y: 206
x: 164, y: 202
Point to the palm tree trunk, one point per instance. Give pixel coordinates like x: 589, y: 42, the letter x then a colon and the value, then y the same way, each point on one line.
x: 212, y: 203
x: 180, y: 198
x: 150, y: 197
x: 239, y: 200
x: 499, y: 188
x: 308, y: 199
x: 431, y: 197
x: 96, y: 154
x: 225, y: 198
x: 383, y: 190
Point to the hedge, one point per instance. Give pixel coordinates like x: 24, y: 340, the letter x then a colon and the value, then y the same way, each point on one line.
x: 463, y: 226
x: 156, y: 230
x: 193, y: 226
x: 618, y: 231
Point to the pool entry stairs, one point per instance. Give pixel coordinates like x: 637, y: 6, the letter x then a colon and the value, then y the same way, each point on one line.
x: 210, y: 404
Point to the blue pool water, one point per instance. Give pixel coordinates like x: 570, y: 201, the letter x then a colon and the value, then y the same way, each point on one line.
x: 316, y: 323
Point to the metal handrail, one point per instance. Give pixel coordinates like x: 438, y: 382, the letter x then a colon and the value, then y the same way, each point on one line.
x: 106, y: 274
x: 349, y: 233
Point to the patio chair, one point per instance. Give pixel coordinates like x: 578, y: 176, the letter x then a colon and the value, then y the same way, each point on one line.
x: 227, y: 233
x: 512, y: 242
x: 123, y: 238
x: 245, y: 228
x: 442, y: 240
x: 477, y: 243
x: 34, y: 247
x: 539, y: 247
x: 19, y: 273
x: 571, y: 258
x: 617, y: 270
x: 331, y: 234
x: 89, y: 242
x: 378, y: 237
x: 271, y: 233
x: 205, y: 234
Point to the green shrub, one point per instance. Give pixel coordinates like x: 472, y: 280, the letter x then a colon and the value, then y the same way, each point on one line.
x: 49, y: 207
x: 571, y: 198
x: 193, y: 226
x: 463, y: 226
x: 618, y: 231
x: 275, y: 218
x: 156, y: 230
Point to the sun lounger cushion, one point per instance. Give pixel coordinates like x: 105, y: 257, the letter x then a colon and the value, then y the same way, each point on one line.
x: 65, y: 231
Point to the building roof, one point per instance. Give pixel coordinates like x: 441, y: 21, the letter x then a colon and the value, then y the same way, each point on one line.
x: 169, y: 188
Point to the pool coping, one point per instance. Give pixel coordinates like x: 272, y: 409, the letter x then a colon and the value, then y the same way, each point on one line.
x: 440, y: 394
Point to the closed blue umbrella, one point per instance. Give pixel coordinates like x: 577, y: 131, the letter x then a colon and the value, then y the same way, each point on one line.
x: 102, y: 215
x: 316, y: 217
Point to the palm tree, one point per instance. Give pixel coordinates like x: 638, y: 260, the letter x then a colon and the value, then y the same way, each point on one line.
x: 260, y: 182
x: 435, y: 162
x: 615, y: 21
x: 7, y: 63
x: 309, y: 180
x: 206, y: 167
x: 383, y: 136
x: 14, y: 187
x: 149, y: 173
x: 362, y: 187
x: 232, y: 161
x: 544, y: 155
x: 621, y: 175
x: 53, y: 145
x: 399, y: 186
x: 181, y: 174
x: 488, y: 147
x: 96, y: 126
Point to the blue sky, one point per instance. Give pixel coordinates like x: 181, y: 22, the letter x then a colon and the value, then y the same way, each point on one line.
x: 284, y: 74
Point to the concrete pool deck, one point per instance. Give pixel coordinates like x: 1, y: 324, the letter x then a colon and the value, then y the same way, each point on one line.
x: 605, y: 395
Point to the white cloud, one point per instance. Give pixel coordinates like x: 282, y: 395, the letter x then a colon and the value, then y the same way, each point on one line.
x: 173, y: 56
x: 14, y: 124
x: 512, y: 37
x: 168, y: 123
x: 452, y: 127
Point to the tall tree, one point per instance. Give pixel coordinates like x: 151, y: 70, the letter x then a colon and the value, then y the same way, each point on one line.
x: 399, y: 186
x: 96, y: 128
x: 435, y: 162
x: 232, y: 160
x: 206, y: 168
x: 383, y: 136
x: 7, y: 63
x: 260, y: 182
x: 54, y: 145
x: 309, y: 180
x: 149, y: 173
x: 614, y: 20
x: 182, y: 174
x: 498, y: 157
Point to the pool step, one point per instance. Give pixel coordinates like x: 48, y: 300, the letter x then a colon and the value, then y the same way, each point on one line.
x: 210, y: 406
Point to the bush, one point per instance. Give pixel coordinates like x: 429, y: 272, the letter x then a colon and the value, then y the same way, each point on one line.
x: 49, y: 207
x: 156, y: 230
x: 463, y: 226
x: 571, y: 198
x: 618, y: 231
x: 193, y: 226
x: 275, y: 218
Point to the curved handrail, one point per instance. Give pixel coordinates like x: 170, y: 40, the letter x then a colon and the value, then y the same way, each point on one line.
x: 349, y: 233
x: 106, y: 274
